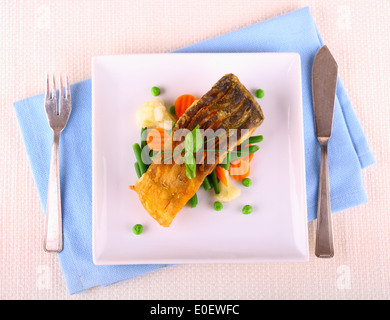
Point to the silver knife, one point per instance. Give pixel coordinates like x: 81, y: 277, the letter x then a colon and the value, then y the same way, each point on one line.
x: 324, y: 81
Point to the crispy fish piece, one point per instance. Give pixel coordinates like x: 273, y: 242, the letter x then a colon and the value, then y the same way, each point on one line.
x: 165, y: 189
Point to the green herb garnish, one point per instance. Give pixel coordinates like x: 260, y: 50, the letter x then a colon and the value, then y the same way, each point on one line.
x: 190, y: 163
x: 192, y: 144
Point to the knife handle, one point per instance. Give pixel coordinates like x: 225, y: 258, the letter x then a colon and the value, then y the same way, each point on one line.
x: 324, y: 242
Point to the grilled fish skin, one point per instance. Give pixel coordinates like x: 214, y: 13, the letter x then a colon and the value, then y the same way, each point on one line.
x: 165, y: 189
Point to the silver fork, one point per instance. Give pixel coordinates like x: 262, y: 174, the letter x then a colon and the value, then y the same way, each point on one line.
x: 57, y: 117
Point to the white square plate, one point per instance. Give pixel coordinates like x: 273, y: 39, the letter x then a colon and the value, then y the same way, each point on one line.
x: 277, y: 228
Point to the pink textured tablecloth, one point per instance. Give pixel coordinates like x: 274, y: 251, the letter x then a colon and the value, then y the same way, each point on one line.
x: 34, y: 41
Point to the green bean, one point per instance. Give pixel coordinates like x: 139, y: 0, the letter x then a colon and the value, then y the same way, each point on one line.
x: 137, y: 152
x: 137, y: 169
x: 193, y: 201
x: 214, y: 181
x: 255, y: 139
x: 227, y: 161
x: 251, y: 140
x: 152, y: 154
x: 206, y: 183
x: 143, y: 138
x: 243, y: 152
x: 226, y: 165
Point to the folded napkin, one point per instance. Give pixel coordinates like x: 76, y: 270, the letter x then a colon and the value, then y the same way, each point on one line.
x: 292, y: 32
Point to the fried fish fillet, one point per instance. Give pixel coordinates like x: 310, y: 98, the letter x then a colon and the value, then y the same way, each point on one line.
x: 165, y: 189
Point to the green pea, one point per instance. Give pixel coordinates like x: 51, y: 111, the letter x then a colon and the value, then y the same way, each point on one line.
x: 218, y: 206
x: 247, y: 209
x: 172, y: 110
x: 155, y: 91
x: 260, y: 93
x: 137, y: 229
x: 247, y: 182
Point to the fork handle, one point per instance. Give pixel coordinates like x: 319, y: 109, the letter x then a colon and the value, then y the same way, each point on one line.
x: 324, y: 242
x: 53, y: 227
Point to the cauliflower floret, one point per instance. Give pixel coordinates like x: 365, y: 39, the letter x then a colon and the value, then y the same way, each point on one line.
x: 229, y: 193
x: 154, y: 114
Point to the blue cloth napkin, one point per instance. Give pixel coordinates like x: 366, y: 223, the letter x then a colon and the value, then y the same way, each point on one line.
x: 292, y: 32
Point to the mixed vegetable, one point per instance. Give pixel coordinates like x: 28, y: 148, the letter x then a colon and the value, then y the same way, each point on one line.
x: 153, y: 117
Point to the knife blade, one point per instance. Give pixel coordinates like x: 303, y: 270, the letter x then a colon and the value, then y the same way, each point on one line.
x: 324, y: 82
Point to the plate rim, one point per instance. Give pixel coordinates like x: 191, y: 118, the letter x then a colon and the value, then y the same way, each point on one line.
x: 302, y: 256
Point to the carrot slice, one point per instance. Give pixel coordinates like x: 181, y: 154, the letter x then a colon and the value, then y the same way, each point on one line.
x: 155, y: 139
x: 248, y: 157
x: 182, y: 103
x: 240, y: 168
x: 221, y: 175
x: 241, y: 171
x: 241, y: 177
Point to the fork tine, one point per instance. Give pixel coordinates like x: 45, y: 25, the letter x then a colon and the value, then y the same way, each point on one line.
x: 54, y: 92
x: 61, y: 95
x: 61, y: 89
x: 67, y: 89
x: 53, y: 89
x: 47, y: 92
